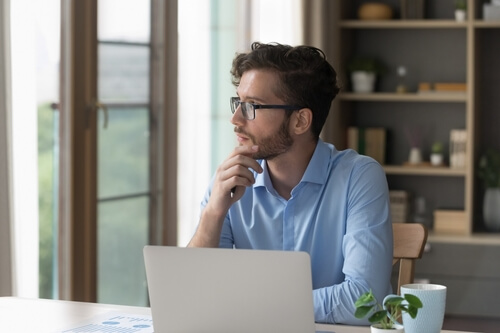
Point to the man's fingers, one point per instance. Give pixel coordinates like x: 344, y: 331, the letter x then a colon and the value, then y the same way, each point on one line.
x: 244, y: 162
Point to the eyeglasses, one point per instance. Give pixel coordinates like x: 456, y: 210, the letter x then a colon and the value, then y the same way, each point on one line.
x: 248, y: 109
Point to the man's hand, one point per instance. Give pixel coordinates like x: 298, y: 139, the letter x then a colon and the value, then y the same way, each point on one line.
x: 231, y: 178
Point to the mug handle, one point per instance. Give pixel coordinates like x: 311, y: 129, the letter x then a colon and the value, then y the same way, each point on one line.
x: 388, y: 314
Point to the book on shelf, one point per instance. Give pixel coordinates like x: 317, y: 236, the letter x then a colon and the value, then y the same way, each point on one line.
x: 370, y: 141
x: 458, y: 143
x: 413, y: 9
x: 400, y: 205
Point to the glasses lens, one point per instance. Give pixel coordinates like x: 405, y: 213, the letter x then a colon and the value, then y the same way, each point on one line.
x: 234, y: 104
x: 248, y: 110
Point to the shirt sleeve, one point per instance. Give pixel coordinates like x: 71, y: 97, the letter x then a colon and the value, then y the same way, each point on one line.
x: 367, y: 248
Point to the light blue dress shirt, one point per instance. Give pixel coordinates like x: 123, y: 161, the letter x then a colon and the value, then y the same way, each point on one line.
x: 338, y: 213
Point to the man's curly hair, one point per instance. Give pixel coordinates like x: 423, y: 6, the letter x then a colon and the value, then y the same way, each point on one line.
x: 305, y: 76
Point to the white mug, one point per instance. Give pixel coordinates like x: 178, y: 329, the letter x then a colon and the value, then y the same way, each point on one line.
x: 430, y: 317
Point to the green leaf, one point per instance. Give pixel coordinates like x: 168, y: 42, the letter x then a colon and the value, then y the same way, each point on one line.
x: 404, y: 308
x: 394, y: 301
x: 362, y: 311
x: 366, y: 64
x: 489, y: 168
x: 364, y: 299
x: 412, y: 311
x: 437, y: 147
x: 413, y: 301
x: 378, y: 316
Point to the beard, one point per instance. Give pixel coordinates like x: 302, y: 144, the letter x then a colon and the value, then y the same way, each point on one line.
x: 273, y: 145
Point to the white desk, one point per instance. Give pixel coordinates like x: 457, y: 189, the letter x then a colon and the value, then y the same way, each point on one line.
x: 20, y: 315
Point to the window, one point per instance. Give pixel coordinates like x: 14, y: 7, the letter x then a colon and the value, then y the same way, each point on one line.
x: 123, y: 143
x: 113, y: 165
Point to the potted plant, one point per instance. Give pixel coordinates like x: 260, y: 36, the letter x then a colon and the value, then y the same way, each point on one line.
x: 460, y: 10
x: 489, y: 172
x: 363, y: 72
x: 384, y: 316
x: 437, y: 153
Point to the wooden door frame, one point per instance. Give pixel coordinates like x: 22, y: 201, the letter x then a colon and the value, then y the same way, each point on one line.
x: 78, y: 142
x: 78, y: 167
x: 164, y: 62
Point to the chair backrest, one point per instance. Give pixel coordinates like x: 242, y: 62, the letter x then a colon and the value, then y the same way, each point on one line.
x: 409, y: 243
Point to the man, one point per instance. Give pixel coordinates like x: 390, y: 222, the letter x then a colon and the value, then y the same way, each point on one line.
x: 283, y: 188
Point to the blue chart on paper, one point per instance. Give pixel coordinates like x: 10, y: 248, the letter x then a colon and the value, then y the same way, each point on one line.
x: 116, y: 323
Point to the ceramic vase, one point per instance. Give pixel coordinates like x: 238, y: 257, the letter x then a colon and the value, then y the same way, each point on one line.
x: 491, y: 209
x: 415, y: 156
x: 363, y: 82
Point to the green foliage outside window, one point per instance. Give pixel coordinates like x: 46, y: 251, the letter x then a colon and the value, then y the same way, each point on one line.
x: 45, y: 197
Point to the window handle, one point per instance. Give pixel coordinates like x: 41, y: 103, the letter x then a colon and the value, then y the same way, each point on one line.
x: 96, y: 105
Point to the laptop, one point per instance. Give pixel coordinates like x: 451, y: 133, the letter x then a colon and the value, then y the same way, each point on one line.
x: 197, y: 290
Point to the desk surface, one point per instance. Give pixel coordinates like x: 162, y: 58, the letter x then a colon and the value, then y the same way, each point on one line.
x: 48, y: 316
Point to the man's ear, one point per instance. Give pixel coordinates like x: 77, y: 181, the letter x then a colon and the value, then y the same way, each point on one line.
x: 303, y: 121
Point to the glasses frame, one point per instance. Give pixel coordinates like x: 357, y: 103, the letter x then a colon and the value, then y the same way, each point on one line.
x: 235, y: 102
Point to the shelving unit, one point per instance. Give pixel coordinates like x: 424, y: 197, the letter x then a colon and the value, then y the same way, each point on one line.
x: 434, y: 49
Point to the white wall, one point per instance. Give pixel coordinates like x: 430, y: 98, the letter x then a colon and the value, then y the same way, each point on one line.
x: 24, y: 148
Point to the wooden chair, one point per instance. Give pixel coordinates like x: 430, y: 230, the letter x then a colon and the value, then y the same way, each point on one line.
x: 409, y: 243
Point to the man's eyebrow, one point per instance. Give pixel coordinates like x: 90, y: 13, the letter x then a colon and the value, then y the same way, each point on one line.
x: 255, y: 99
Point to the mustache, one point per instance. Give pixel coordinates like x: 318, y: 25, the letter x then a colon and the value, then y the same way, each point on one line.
x: 240, y: 131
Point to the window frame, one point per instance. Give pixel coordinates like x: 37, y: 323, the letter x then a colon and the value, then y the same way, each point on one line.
x: 77, y: 255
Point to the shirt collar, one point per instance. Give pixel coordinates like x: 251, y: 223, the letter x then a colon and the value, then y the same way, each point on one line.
x: 315, y: 171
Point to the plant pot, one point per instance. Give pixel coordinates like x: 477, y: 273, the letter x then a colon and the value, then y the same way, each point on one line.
x: 460, y: 15
x: 491, y: 209
x: 436, y: 159
x: 363, y: 82
x: 375, y: 328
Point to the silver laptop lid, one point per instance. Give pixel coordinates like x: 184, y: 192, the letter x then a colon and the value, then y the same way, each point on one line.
x: 225, y: 290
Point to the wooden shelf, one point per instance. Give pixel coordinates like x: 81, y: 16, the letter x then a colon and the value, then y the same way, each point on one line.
x: 407, y: 97
x: 423, y: 171
x: 482, y: 238
x: 416, y: 24
x: 402, y: 24
x: 487, y: 24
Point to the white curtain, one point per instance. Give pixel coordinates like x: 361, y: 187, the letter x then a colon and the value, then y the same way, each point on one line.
x: 18, y: 151
x: 6, y: 271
